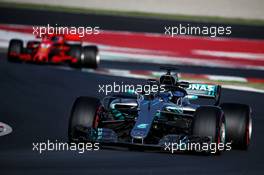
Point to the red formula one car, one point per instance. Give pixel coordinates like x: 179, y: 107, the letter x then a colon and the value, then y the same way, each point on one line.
x: 54, y: 49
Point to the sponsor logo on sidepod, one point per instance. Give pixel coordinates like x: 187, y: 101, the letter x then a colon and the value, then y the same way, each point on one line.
x: 201, y: 87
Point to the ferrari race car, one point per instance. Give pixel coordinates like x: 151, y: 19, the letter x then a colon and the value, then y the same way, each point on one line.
x: 158, y: 119
x: 54, y: 49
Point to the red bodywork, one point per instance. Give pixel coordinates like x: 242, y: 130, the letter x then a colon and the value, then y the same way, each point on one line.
x: 51, y: 49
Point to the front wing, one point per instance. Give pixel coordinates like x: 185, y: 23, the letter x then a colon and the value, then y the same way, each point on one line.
x: 107, y: 137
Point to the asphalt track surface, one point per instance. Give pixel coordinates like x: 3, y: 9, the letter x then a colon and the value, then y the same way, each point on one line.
x: 35, y: 100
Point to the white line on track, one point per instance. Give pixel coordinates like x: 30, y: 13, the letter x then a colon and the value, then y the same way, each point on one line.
x: 233, y: 55
x: 5, y: 129
x: 242, y: 88
x: 226, y: 78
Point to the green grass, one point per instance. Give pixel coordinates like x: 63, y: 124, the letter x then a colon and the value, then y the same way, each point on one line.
x: 134, y: 14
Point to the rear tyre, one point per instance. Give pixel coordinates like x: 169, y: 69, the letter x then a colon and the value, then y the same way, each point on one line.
x: 210, y: 121
x: 83, y: 117
x: 15, y: 48
x: 238, y: 124
x: 90, y: 57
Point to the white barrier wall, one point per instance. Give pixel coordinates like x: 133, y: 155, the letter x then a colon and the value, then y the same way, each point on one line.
x: 247, y: 9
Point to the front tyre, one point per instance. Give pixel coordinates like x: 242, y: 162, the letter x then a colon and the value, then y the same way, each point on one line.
x: 75, y: 51
x: 32, y: 46
x: 209, y: 121
x: 84, y: 117
x: 238, y: 124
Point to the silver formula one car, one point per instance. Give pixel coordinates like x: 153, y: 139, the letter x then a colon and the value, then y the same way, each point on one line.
x: 162, y: 117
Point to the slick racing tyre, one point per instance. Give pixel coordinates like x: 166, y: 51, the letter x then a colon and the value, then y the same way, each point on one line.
x: 238, y: 124
x: 90, y: 57
x: 15, y: 48
x: 31, y: 46
x: 209, y: 121
x: 75, y: 52
x: 84, y: 117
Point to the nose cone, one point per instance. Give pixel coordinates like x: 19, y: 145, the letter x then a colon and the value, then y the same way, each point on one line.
x: 140, y: 132
x: 145, y: 118
x: 40, y: 58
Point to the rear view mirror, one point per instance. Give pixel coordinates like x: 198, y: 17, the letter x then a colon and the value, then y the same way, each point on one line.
x: 183, y: 84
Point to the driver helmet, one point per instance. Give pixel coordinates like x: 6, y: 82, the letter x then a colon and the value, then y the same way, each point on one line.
x: 169, y: 80
x: 58, y: 39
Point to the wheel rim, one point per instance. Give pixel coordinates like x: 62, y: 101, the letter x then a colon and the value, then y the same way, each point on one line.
x: 97, y: 58
x: 82, y: 58
x: 222, y: 133
x: 248, y: 131
x: 97, y: 118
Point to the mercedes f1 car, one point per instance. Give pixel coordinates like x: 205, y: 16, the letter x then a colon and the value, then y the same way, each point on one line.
x: 54, y: 49
x: 154, y: 119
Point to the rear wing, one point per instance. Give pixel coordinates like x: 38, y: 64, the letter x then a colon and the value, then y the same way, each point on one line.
x: 205, y: 91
